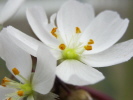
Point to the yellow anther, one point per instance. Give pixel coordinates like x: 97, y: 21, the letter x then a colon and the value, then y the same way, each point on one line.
x: 62, y: 46
x: 20, y: 93
x: 15, y: 71
x: 91, y: 41
x: 78, y: 30
x: 55, y: 35
x: 53, y: 31
x: 3, y: 85
x: 88, y: 47
x: 9, y: 98
x: 4, y: 81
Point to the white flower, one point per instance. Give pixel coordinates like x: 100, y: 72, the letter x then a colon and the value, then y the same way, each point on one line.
x: 80, y: 40
x: 9, y: 10
x: 19, y: 64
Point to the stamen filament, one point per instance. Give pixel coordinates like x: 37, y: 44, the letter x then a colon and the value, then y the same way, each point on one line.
x: 23, y: 78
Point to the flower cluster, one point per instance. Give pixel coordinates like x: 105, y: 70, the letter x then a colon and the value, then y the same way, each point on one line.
x: 70, y: 46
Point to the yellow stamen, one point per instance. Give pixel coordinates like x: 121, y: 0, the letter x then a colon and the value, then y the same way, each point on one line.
x: 78, y: 30
x: 88, y: 47
x: 53, y: 31
x: 15, y: 71
x: 20, y: 93
x: 3, y: 85
x: 62, y: 46
x: 9, y: 98
x: 91, y: 41
x: 4, y: 81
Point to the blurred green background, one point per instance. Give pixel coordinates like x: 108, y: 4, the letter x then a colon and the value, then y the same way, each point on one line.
x: 119, y: 78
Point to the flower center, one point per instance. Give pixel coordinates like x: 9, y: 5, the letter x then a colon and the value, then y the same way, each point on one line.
x: 22, y: 90
x: 27, y: 88
x: 69, y: 53
x: 73, y: 48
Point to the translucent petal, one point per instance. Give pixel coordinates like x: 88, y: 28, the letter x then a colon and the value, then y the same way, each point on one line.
x: 44, y: 76
x: 9, y: 9
x: 76, y: 73
x: 15, y: 57
x: 118, y: 53
x: 73, y: 14
x: 106, y: 29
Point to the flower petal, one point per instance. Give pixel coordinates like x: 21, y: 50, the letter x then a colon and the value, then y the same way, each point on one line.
x: 37, y: 19
x: 118, y: 53
x: 1, y: 50
x: 74, y: 14
x: 9, y: 9
x: 16, y: 57
x: 44, y: 76
x: 106, y: 29
x: 24, y: 41
x: 30, y: 97
x: 57, y: 54
x: 4, y: 91
x: 52, y: 19
x: 77, y: 73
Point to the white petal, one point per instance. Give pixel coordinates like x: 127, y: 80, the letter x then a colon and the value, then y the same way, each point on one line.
x: 44, y: 76
x: 37, y: 19
x: 106, y: 29
x: 118, y: 53
x: 49, y: 27
x: 74, y: 14
x: 24, y: 41
x: 57, y: 54
x: 1, y: 50
x: 30, y: 97
x: 16, y: 57
x: 9, y: 9
x: 52, y: 19
x: 76, y: 73
x: 4, y: 91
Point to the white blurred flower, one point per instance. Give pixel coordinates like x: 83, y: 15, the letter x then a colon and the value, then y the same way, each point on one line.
x: 80, y: 40
x: 9, y: 10
x: 19, y: 64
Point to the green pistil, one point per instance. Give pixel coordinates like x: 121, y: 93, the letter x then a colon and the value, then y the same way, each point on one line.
x: 27, y: 88
x: 69, y: 53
